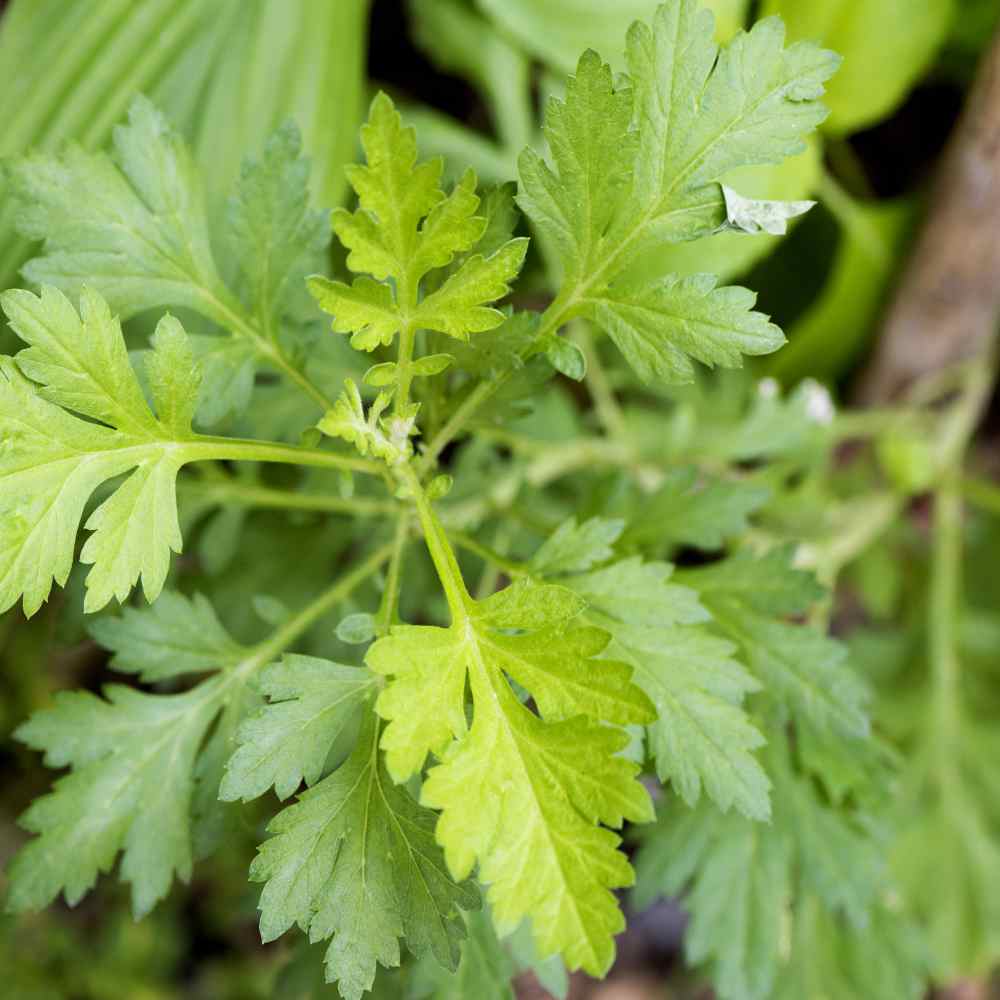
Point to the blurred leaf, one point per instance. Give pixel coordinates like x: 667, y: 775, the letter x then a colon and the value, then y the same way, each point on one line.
x: 886, y: 44
x: 557, y: 31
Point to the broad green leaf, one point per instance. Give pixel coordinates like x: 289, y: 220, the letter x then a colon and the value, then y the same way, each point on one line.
x: 522, y: 794
x: 309, y: 701
x: 133, y: 757
x: 354, y: 859
x: 54, y: 460
x: 887, y: 46
x: 175, y: 635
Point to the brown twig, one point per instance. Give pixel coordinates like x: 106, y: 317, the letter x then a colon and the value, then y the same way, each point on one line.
x: 947, y: 304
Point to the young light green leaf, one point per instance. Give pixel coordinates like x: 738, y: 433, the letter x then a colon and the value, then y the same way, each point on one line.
x: 354, y: 859
x: 404, y: 228
x: 462, y: 305
x: 309, y: 701
x: 54, y: 460
x: 519, y: 793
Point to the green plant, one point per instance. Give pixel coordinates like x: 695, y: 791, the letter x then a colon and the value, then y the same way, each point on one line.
x: 465, y: 784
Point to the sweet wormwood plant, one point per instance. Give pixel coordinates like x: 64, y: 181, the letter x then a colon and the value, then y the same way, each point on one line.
x: 467, y: 781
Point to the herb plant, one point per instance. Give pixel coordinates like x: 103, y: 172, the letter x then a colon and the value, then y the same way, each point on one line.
x: 550, y: 672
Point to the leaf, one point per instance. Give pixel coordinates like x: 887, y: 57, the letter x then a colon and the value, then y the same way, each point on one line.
x: 691, y: 509
x: 277, y: 238
x: 522, y: 793
x: 133, y: 757
x: 702, y: 737
x: 309, y: 701
x: 460, y: 307
x: 176, y: 635
x: 133, y: 227
x: 593, y: 152
x: 388, y: 439
x: 485, y: 969
x: 741, y: 882
x: 768, y: 583
x: 700, y: 113
x: 354, y: 859
x: 404, y: 228
x: 53, y: 460
x: 660, y: 327
x: 573, y: 547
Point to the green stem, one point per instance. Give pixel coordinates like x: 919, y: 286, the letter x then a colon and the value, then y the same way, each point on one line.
x: 231, y: 317
x: 442, y: 554
x: 609, y: 413
x: 247, y: 495
x: 943, y: 614
x: 404, y: 367
x: 206, y: 448
x: 388, y: 611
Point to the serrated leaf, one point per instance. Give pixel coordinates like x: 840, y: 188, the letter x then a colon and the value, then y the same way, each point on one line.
x: 695, y: 509
x: 617, y: 190
x: 354, y: 859
x: 405, y: 228
x: 702, y: 737
x: 53, y: 460
x: 176, y: 635
x: 661, y: 326
x: 130, y: 789
x: 593, y: 152
x: 287, y: 742
x: 740, y: 877
x: 514, y: 786
x: 573, y: 548
x: 277, y: 239
x: 133, y: 226
x: 461, y: 306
